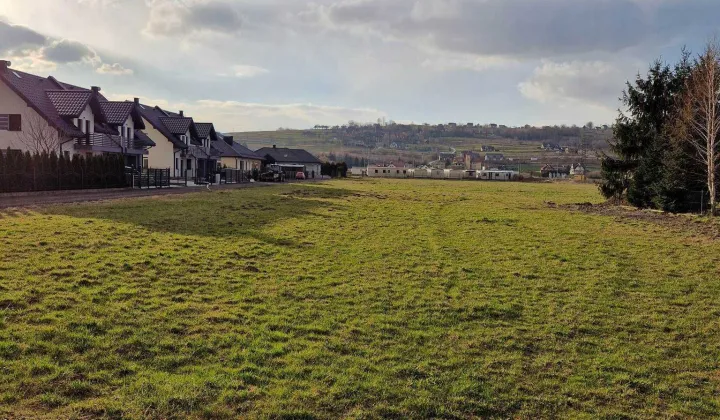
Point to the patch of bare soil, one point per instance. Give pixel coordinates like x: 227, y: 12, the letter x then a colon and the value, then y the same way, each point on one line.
x: 687, y: 223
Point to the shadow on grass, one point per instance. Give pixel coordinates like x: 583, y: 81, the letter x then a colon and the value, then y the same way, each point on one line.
x: 224, y: 214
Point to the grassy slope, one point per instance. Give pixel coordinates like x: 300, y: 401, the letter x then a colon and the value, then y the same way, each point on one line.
x: 363, y: 298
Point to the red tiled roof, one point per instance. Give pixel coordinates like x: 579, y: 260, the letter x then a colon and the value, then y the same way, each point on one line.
x: 177, y: 125
x: 117, y: 113
x: 204, y: 129
x: 69, y: 103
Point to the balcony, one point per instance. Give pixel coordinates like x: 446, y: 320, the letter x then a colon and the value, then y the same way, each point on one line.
x: 198, y: 152
x: 99, y: 142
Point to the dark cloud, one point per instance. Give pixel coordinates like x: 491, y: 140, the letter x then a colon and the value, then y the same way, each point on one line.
x: 168, y: 18
x: 15, y: 38
x: 65, y: 51
x: 214, y: 16
x: 524, y: 28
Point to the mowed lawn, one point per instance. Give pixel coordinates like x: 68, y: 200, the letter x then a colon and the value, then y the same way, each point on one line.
x: 356, y: 299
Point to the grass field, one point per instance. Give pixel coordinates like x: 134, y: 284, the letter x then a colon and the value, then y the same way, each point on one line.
x: 356, y: 299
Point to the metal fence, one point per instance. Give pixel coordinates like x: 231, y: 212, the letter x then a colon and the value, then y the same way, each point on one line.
x: 150, y: 178
x: 234, y: 176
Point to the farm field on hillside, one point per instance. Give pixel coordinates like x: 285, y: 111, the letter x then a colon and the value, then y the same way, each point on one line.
x: 357, y: 299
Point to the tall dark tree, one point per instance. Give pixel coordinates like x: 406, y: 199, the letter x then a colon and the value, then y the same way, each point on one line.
x: 642, y: 144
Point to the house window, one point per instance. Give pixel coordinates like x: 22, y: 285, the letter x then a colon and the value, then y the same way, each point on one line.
x: 177, y: 163
x: 14, y: 122
x: 189, y: 164
x: 145, y: 162
x: 376, y: 171
x: 87, y: 126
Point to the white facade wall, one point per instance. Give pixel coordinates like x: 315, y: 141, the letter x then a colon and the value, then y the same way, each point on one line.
x: 162, y: 156
x: 387, y: 172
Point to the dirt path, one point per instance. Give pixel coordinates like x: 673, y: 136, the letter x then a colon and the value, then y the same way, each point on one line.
x: 689, y: 223
x: 80, y: 197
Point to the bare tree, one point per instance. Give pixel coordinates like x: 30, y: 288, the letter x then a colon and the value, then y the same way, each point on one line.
x: 38, y: 136
x: 699, y: 116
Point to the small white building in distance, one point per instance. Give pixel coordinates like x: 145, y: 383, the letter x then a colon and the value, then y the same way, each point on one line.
x: 387, y: 172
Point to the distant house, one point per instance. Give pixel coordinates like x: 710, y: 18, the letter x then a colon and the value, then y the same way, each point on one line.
x: 387, y: 172
x: 236, y: 156
x: 577, y: 170
x: 292, y: 160
x: 487, y: 148
x: 446, y: 155
x: 494, y: 157
x: 555, y: 172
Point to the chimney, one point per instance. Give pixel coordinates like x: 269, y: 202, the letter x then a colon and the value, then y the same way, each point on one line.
x: 182, y: 114
x: 4, y: 64
x: 137, y: 101
x: 95, y: 89
x: 274, y: 147
x: 229, y: 140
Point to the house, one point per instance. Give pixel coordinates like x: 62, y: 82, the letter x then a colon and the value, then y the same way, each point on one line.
x: 233, y: 155
x: 446, y: 155
x: 292, y: 160
x: 179, y: 145
x: 387, y: 172
x: 497, y: 175
x: 577, y: 170
x: 553, y: 172
x: 39, y: 114
x: 358, y: 171
x: 494, y: 157
x: 487, y: 148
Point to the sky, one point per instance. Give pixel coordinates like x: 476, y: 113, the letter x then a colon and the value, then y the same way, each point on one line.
x: 264, y: 64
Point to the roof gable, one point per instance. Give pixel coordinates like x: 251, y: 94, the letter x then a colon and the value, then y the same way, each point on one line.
x: 32, y: 89
x: 177, y: 125
x: 280, y: 154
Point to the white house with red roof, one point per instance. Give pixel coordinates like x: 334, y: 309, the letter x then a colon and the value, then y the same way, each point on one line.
x: 42, y: 114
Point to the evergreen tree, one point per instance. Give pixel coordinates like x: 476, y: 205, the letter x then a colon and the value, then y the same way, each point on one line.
x: 642, y: 145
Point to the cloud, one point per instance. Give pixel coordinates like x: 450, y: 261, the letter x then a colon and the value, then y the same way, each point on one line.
x: 65, y: 51
x: 246, y: 116
x: 245, y: 71
x: 15, y: 38
x: 519, y: 28
x: 31, y: 51
x: 171, y: 18
x: 591, y: 82
x: 114, y: 69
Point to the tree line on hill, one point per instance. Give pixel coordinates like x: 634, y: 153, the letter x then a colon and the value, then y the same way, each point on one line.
x: 665, y: 153
x: 24, y: 172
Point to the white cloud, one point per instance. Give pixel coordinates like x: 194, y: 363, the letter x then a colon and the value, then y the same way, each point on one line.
x: 452, y: 62
x: 593, y: 82
x: 246, y: 116
x: 114, y: 69
x: 245, y: 71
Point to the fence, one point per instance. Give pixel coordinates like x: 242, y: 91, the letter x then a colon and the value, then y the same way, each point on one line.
x: 233, y: 176
x: 151, y: 178
x: 23, y: 172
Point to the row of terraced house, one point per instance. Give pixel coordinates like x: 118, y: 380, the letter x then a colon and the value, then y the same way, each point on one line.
x: 44, y: 114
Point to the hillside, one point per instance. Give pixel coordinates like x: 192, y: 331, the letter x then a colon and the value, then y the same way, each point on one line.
x: 420, y: 145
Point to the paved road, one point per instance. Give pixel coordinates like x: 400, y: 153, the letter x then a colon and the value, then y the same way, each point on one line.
x: 79, y: 197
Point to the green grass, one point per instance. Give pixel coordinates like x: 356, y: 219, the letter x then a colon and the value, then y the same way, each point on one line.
x: 356, y: 299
